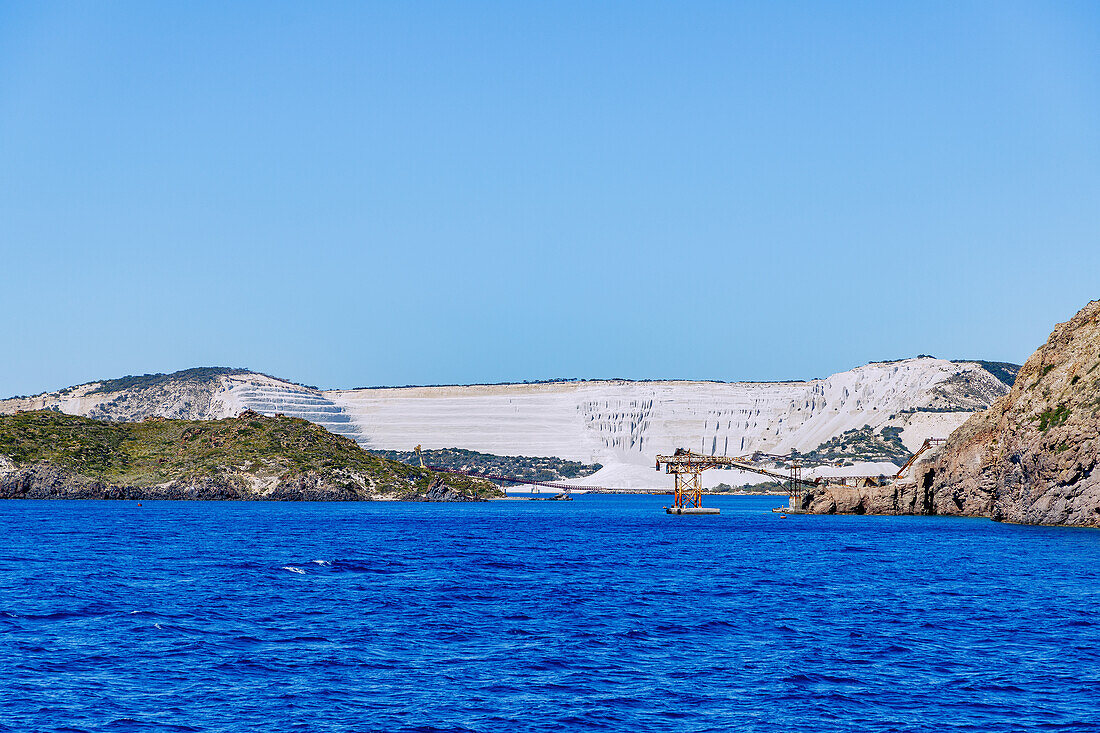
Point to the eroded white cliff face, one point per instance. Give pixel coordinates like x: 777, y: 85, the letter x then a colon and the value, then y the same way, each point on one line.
x: 619, y: 424
x: 623, y: 425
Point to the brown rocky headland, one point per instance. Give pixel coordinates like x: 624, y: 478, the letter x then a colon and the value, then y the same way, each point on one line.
x: 1030, y: 458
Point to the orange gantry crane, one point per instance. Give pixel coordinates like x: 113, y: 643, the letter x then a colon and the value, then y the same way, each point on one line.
x: 687, y: 468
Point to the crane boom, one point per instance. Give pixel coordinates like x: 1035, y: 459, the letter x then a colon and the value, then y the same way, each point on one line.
x: 684, y: 461
x: 928, y: 443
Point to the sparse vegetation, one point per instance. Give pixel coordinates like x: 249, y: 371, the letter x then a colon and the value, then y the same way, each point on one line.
x: 766, y: 487
x: 860, y: 445
x: 527, y: 467
x: 1053, y: 418
x: 1002, y: 370
x: 197, y: 374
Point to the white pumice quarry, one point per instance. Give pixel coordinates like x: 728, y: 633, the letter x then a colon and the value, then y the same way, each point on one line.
x: 620, y: 424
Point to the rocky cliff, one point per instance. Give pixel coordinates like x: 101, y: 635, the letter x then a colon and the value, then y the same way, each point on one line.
x: 1030, y: 458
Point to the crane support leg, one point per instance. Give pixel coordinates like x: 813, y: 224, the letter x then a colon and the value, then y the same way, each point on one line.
x: 689, y: 489
x: 795, y: 499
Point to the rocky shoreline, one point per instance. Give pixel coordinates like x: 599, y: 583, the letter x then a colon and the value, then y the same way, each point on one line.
x: 49, y: 482
x: 1028, y: 459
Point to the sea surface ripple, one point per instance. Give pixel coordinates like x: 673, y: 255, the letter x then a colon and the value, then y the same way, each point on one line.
x: 597, y: 614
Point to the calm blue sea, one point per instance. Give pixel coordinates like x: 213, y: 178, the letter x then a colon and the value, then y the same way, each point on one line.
x: 597, y: 614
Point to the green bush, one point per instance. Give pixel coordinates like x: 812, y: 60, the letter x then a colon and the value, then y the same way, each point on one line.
x: 1053, y: 418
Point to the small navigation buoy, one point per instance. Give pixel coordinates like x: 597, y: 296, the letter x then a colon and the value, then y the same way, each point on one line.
x: 139, y: 503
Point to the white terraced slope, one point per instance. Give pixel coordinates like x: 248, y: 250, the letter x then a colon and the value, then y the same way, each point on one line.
x: 622, y: 425
x: 288, y: 399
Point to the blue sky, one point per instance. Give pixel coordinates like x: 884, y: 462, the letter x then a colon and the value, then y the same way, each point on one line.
x: 388, y: 193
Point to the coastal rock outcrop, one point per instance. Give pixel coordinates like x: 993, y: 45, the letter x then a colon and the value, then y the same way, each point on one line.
x: 903, y: 498
x: 440, y: 491
x: 1030, y: 458
x: 43, y: 481
x: 50, y: 455
x: 50, y: 482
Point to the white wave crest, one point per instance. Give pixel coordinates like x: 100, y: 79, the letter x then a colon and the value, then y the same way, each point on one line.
x: 293, y: 569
